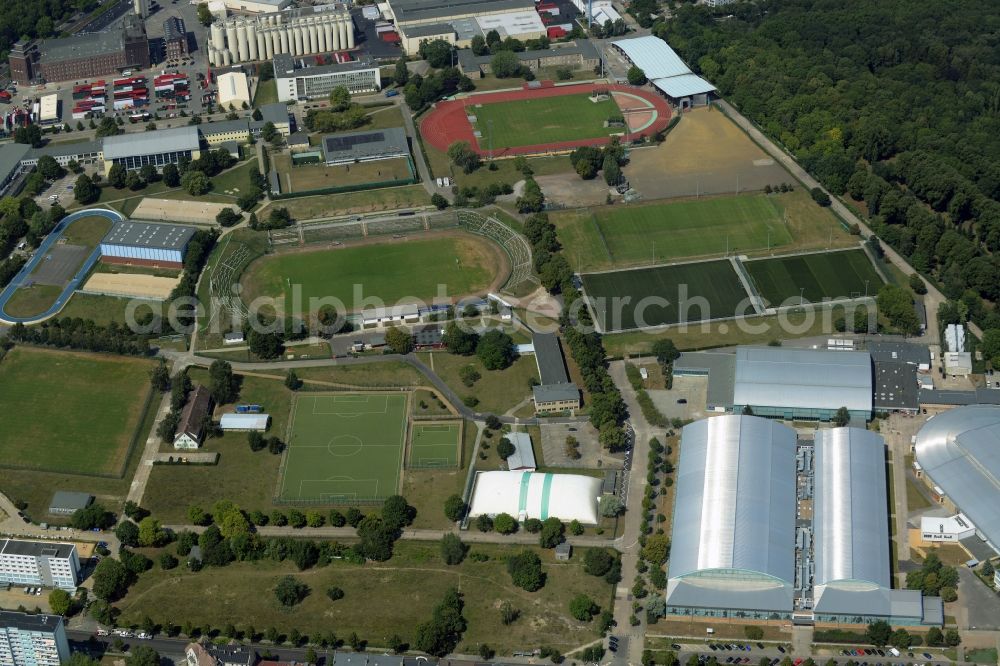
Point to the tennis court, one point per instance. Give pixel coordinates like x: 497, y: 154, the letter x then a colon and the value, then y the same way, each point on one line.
x: 344, y: 447
x: 435, y: 444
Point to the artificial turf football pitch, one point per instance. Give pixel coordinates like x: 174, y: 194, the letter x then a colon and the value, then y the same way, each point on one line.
x: 663, y: 295
x: 528, y: 122
x: 344, y: 448
x: 814, y: 277
x: 434, y: 444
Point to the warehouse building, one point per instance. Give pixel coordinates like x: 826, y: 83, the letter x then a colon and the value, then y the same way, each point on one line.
x: 82, y: 56
x: 167, y: 146
x: 666, y: 71
x: 296, y: 32
x: 573, y: 55
x: 810, y: 384
x: 39, y: 563
x: 958, y: 451
x: 769, y: 527
x: 66, y: 503
x: 244, y: 422
x: 535, y: 495
x: 12, y: 166
x: 523, y: 458
x: 458, y: 21
x: 733, y: 531
x: 32, y: 640
x: 234, y: 90
x: 365, y: 146
x: 296, y: 80
x: 256, y: 6
x: 146, y: 244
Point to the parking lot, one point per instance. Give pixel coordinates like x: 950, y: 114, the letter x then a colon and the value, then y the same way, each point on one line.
x: 15, y: 596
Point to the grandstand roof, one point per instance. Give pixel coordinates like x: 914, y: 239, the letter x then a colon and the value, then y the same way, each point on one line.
x: 683, y: 85
x: 803, y: 378
x: 533, y: 495
x: 653, y: 56
x: 960, y: 451
x: 735, y: 504
x: 851, y: 542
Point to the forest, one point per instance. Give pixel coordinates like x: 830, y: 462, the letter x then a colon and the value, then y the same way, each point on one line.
x: 35, y: 18
x: 893, y: 104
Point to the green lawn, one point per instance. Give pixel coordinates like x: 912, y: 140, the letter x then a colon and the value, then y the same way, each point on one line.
x: 345, y: 447
x: 33, y: 300
x: 237, y: 178
x: 393, y: 373
x: 87, y: 231
x: 54, y: 419
x: 610, y: 236
x: 105, y: 309
x: 527, y: 122
x: 496, y: 390
x: 435, y: 444
x: 814, y: 277
x: 367, y: 201
x: 267, y: 93
x: 668, y: 294
x: 413, y: 269
x: 380, y: 599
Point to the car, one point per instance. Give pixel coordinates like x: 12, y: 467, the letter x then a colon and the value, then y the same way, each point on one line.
x: 682, y: 401
x: 781, y: 649
x: 881, y: 653
x: 729, y: 660
x: 711, y: 646
x: 613, y: 647
x: 760, y: 646
x: 927, y: 655
x: 675, y: 646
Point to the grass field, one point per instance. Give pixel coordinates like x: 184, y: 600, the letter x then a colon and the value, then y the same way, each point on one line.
x: 413, y: 269
x: 33, y: 300
x: 367, y: 201
x: 87, y: 231
x: 396, y: 596
x: 684, y: 292
x: 829, y: 275
x: 434, y: 444
x: 318, y: 176
x: 527, y: 122
x: 618, y: 236
x: 344, y: 447
x: 54, y: 420
x: 496, y: 390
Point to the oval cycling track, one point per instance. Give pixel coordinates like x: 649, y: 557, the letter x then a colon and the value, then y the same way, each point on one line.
x: 24, y: 274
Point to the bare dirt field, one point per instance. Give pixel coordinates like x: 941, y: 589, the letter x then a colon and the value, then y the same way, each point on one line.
x: 131, y: 284
x: 568, y: 190
x: 704, y: 154
x: 178, y: 210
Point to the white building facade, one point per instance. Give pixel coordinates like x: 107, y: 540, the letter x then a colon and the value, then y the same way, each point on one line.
x: 32, y: 640
x: 39, y: 563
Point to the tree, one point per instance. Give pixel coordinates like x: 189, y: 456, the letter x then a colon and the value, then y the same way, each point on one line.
x: 505, y: 65
x: 159, y: 377
x: 753, y: 632
x: 657, y: 549
x: 396, y: 513
x: 376, y: 539
x: 635, y: 75
x: 49, y: 168
x: 452, y: 549
x: 91, y: 517
x: 334, y: 593
x: 464, y: 157
x: 127, y: 533
x: 142, y: 655
x: 204, y: 15
x: 195, y: 183
x: 597, y: 561
x: 111, y: 580
x: 917, y: 284
x: 901, y: 639
x: 437, y: 53
x: 399, y: 340
x: 31, y: 135
x: 454, y: 508
x: 265, y: 345
x: 841, y: 418
x: 878, y: 633
x: 168, y: 561
x: 401, y: 74
x: 292, y: 381
x: 820, y: 197
x: 223, y: 384
x: 505, y: 449
x: 290, y: 591
x: 532, y: 200
x: 583, y: 608
x: 575, y: 527
x: 171, y: 176
x: 552, y: 534
x: 525, y: 569
x: 896, y: 304
x: 665, y: 351
x: 495, y: 349
x: 440, y: 635
x: 611, y: 436
x: 469, y: 375
x: 84, y: 190
x: 458, y: 340
x: 60, y: 601
x: 439, y: 201
x: 611, y: 506
x: 952, y: 638
x: 198, y: 516
x: 340, y: 99
x: 484, y: 523
x: 508, y: 614
x: 504, y: 523
x: 227, y: 217
x: 151, y: 534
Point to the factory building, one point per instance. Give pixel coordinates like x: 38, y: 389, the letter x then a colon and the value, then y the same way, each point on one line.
x: 768, y: 527
x: 297, y: 80
x: 82, y: 56
x: 297, y: 32
x: 458, y: 21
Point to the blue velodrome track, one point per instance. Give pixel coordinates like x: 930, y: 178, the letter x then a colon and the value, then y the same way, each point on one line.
x: 25, y: 273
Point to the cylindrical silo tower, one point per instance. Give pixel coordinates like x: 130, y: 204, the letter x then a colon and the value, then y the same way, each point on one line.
x: 342, y: 27
x: 335, y: 44
x: 242, y: 50
x: 349, y: 27
x: 313, y: 39
x: 261, y: 46
x: 321, y: 37
x: 231, y: 42
x: 297, y: 41
x: 326, y: 43
x: 227, y: 58
x: 282, y: 41
x: 252, y: 41
x: 268, y: 49
x: 218, y: 37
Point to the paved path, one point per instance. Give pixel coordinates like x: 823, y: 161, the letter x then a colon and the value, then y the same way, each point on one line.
x: 631, y: 653
x: 145, y: 467
x: 932, y: 299
x: 429, y: 183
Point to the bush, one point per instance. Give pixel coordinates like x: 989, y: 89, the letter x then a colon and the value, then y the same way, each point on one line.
x: 334, y: 593
x: 525, y: 571
x: 290, y: 591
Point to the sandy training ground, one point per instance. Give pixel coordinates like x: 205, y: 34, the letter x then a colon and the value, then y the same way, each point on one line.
x: 178, y: 210
x: 131, y: 285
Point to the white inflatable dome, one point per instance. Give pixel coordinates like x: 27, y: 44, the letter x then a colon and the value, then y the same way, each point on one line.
x: 537, y: 495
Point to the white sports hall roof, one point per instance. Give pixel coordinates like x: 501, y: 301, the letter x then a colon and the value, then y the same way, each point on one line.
x: 535, y: 495
x: 960, y: 451
x: 683, y: 85
x: 803, y: 378
x: 663, y: 67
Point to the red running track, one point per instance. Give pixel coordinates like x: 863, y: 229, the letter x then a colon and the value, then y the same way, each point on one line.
x: 448, y: 122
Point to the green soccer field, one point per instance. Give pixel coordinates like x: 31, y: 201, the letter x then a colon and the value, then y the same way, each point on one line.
x: 344, y: 447
x: 392, y: 271
x: 434, y: 444
x: 601, y: 238
x: 829, y: 275
x: 666, y: 295
x: 527, y: 122
x: 53, y: 418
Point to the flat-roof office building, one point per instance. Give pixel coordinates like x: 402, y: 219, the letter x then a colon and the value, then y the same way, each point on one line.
x: 297, y: 81
x: 39, y: 563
